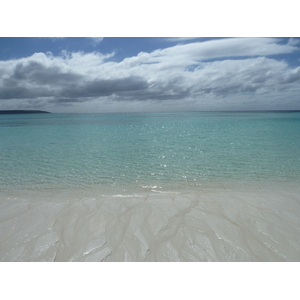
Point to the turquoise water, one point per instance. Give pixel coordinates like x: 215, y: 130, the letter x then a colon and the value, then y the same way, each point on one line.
x: 114, y: 153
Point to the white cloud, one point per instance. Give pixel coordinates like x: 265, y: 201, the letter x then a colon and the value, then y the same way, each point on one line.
x: 179, y: 77
x: 293, y: 41
x: 231, y: 47
x: 97, y: 40
x: 180, y: 39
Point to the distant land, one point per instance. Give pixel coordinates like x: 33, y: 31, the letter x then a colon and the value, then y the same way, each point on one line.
x: 16, y: 112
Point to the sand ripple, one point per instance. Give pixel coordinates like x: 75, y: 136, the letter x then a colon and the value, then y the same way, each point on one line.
x: 212, y: 226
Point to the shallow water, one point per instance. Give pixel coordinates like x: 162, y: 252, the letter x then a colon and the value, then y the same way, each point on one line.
x: 116, y: 152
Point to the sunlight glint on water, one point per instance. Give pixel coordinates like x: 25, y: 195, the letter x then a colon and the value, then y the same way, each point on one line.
x: 115, y: 153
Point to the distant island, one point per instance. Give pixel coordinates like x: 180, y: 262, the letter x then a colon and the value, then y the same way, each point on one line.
x: 16, y: 112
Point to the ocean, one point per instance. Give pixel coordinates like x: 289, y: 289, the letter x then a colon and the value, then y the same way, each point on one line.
x: 120, y: 160
x: 116, y: 153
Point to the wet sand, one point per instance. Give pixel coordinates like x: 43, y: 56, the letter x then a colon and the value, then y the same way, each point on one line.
x: 221, y: 225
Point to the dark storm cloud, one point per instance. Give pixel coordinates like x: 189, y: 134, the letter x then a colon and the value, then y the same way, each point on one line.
x: 33, y: 79
x: 235, y: 89
x: 36, y: 72
x: 13, y: 91
x: 98, y: 88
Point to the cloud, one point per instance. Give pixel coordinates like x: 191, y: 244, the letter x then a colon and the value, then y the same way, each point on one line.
x: 192, y: 53
x: 36, y: 72
x: 291, y: 76
x: 293, y: 41
x: 97, y: 39
x: 240, y: 76
x: 104, y: 87
x: 179, y: 39
x: 208, y: 73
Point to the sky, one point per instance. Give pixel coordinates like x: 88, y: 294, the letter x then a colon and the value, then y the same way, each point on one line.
x: 136, y: 74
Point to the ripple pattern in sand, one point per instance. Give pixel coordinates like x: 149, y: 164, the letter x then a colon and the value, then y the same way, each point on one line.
x: 215, y: 226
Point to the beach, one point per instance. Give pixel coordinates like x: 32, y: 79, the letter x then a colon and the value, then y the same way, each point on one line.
x: 180, y: 155
x: 220, y: 225
x: 211, y: 186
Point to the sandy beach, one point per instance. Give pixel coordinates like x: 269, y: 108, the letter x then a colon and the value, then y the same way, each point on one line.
x: 217, y: 225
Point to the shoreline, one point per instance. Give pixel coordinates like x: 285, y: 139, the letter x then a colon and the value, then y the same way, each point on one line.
x: 68, y: 192
x: 213, y: 225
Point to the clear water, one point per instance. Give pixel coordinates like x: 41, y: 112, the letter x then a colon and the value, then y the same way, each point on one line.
x: 114, y: 153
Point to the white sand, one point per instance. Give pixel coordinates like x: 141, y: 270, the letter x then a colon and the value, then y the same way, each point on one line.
x: 224, y: 225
